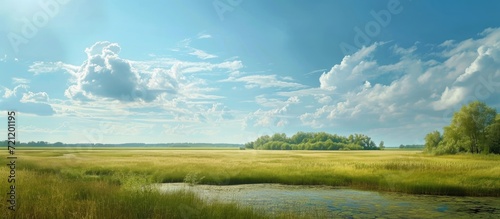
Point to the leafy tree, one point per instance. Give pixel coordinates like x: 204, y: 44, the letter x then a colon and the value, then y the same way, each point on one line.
x: 475, y: 128
x: 471, y: 122
x: 261, y: 141
x: 286, y: 146
x: 249, y: 145
x: 299, y: 137
x: 353, y: 146
x: 329, y: 145
x: 453, y: 141
x: 321, y: 137
x: 279, y: 137
x: 493, y: 136
x: 364, y: 141
x: 312, y: 141
x: 432, y: 141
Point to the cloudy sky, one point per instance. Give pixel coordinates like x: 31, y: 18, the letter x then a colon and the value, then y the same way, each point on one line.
x: 227, y: 71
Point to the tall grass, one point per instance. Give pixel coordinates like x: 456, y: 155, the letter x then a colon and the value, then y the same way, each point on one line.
x: 110, y: 183
x: 397, y: 171
x: 51, y: 195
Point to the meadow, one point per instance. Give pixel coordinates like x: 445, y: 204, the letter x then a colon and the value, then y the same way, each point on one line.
x: 114, y: 183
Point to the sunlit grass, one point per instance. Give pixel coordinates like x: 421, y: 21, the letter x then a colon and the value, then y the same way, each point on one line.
x: 399, y: 171
x: 109, y: 183
x: 55, y: 195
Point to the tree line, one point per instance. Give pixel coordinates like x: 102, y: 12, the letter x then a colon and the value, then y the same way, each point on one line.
x: 412, y: 146
x: 60, y: 144
x: 34, y: 143
x: 475, y: 128
x: 314, y: 141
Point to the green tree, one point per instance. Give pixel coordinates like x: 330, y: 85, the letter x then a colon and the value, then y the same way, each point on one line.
x: 453, y: 141
x: 432, y: 141
x: 312, y: 141
x: 249, y: 145
x: 299, y: 137
x: 329, y: 145
x: 493, y: 136
x: 471, y: 122
x: 279, y: 137
x: 261, y: 141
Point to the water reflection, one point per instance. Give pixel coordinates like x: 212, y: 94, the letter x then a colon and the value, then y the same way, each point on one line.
x: 340, y: 202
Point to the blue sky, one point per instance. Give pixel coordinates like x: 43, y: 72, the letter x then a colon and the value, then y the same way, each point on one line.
x: 228, y: 71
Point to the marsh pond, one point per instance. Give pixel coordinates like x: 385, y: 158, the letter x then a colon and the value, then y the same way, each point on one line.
x: 333, y: 202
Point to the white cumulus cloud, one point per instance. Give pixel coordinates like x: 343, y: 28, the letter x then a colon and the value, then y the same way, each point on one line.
x: 414, y: 89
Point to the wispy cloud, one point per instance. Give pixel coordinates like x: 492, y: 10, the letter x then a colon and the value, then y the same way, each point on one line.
x: 51, y: 67
x: 204, y: 36
x: 185, y: 46
x: 316, y: 71
x: 202, y: 54
x: 20, y: 80
x: 265, y: 81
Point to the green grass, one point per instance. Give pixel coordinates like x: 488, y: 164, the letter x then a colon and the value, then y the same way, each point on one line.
x: 70, y: 183
x: 48, y: 195
x: 397, y: 171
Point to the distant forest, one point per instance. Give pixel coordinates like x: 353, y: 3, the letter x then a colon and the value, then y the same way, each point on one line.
x: 60, y: 144
x: 413, y: 146
x: 314, y: 141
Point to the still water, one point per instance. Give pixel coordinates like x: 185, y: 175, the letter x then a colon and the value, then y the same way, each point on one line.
x: 332, y: 202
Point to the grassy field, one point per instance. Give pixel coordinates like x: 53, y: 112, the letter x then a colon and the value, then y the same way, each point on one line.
x: 104, y: 183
